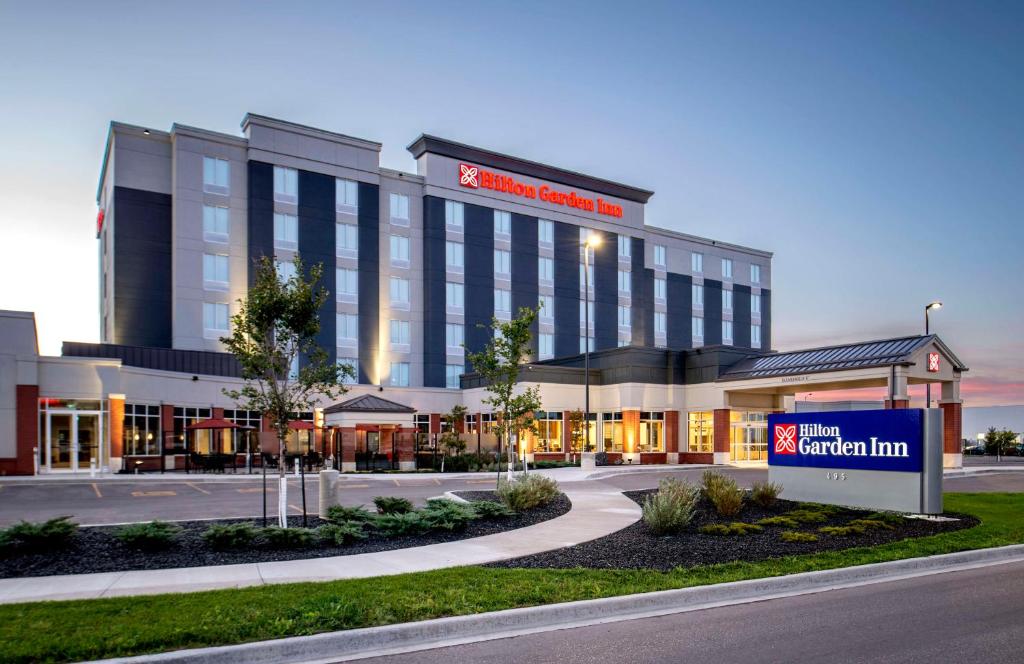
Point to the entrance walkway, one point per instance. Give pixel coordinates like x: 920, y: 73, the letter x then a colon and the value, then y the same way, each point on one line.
x: 596, y: 511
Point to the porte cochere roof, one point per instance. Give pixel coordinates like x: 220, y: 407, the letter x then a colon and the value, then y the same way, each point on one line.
x: 368, y: 403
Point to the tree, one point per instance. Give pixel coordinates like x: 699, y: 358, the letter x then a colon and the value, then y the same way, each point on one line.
x: 276, y: 325
x: 1000, y: 442
x: 577, y: 431
x: 498, y: 364
x: 451, y: 442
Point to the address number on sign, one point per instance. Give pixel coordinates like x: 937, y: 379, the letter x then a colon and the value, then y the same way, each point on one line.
x: 835, y: 476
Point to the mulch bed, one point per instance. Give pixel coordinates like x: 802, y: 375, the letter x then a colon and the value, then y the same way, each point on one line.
x: 636, y: 547
x: 96, y: 549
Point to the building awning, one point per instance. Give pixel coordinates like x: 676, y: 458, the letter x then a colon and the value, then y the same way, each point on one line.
x: 368, y: 403
x: 215, y: 423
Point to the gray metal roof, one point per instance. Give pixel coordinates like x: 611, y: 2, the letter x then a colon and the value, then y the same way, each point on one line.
x: 368, y: 403
x: 867, y: 354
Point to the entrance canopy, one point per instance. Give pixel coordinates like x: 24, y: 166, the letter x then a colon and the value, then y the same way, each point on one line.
x: 368, y: 409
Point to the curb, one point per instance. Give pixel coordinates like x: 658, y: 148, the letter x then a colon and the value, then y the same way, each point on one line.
x: 410, y: 637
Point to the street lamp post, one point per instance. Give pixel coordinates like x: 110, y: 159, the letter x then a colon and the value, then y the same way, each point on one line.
x: 928, y: 386
x: 592, y: 243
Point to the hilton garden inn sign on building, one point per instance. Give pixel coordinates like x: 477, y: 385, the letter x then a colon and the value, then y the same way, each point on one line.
x: 679, y: 326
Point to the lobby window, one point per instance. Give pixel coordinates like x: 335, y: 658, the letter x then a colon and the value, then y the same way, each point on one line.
x: 141, y: 430
x: 727, y: 332
x: 755, y: 303
x: 399, y: 251
x: 454, y: 337
x: 346, y: 240
x: 453, y: 256
x: 697, y: 327
x: 286, y: 231
x: 398, y: 205
x: 612, y: 432
x: 660, y: 255
x: 755, y: 274
x: 399, y: 335
x: 652, y: 432
x: 546, y: 270
x: 347, y: 329
x: 546, y: 232
x: 546, y: 303
x: 215, y: 319
x: 455, y: 297
x: 503, y: 263
x: 215, y: 223
x: 502, y: 223
x: 697, y: 262
x: 286, y: 185
x: 454, y: 214
x: 354, y: 364
x: 502, y: 301
x: 216, y: 173
x: 660, y: 323
x: 545, y: 345
x: 755, y: 336
x: 726, y: 300
x: 399, y: 374
x: 245, y: 418
x: 399, y: 291
x: 471, y: 424
x: 727, y: 268
x: 625, y: 247
x: 700, y: 432
x: 183, y: 417
x: 625, y: 282
x: 625, y: 320
x: 697, y: 291
x: 549, y: 432
x: 347, y: 284
x: 452, y: 372
x: 215, y: 271
x: 346, y: 196
x: 660, y: 288
x: 285, y: 270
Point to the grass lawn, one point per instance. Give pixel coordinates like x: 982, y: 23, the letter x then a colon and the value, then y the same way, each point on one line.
x: 92, y: 629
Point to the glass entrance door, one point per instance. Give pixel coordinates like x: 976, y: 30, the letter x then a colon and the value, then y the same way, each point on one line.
x: 87, y: 432
x: 749, y: 437
x: 60, y: 452
x: 73, y: 440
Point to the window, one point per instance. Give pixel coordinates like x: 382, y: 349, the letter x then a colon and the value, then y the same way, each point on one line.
x: 755, y: 336
x: 502, y: 223
x: 546, y: 270
x: 346, y: 195
x: 286, y: 231
x: 727, y: 332
x: 454, y: 297
x: 697, y: 263
x: 549, y: 431
x: 354, y: 364
x: 286, y: 185
x: 399, y: 207
x: 755, y: 304
x: 659, y: 255
x: 585, y: 310
x: 346, y: 240
x: 583, y: 344
x: 727, y: 300
x: 545, y: 345
x: 215, y: 223
x: 141, y: 430
x: 454, y: 337
x: 502, y: 301
x: 399, y: 251
x: 454, y: 260
x: 399, y: 290
x: 215, y: 271
x: 545, y: 232
x: 451, y: 375
x: 454, y: 214
x: 215, y: 176
x: 399, y: 335
x: 625, y: 246
x: 285, y: 270
x: 547, y: 307
x: 400, y: 374
x: 727, y: 268
x: 184, y: 417
x: 625, y: 341
x: 293, y: 370
x: 625, y: 282
x: 245, y: 418
x: 347, y: 284
x: 700, y: 432
x: 755, y: 274
x: 698, y: 327
x: 624, y: 317
x: 502, y: 262
x: 698, y: 296
x: 215, y: 319
x: 659, y: 289
x: 612, y: 432
x: 660, y: 326
x: 348, y: 329
x: 652, y: 432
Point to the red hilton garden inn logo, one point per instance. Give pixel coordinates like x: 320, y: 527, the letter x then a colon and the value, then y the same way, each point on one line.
x: 474, y: 177
x: 785, y: 439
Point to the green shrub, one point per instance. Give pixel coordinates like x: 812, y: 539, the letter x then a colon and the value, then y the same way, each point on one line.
x: 341, y: 534
x: 736, y: 528
x: 765, y: 493
x: 842, y: 531
x: 794, y: 536
x: 288, y: 538
x: 344, y: 514
x: 528, y: 492
x: 406, y: 523
x: 150, y: 536
x: 392, y: 505
x: 871, y: 524
x: 670, y: 509
x: 723, y: 493
x: 891, y: 518
x: 806, y: 516
x: 782, y: 521
x: 223, y: 536
x: 445, y: 514
x: 491, y: 509
x: 54, y: 533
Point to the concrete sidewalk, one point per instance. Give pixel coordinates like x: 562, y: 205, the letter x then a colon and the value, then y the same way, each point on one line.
x: 595, y: 512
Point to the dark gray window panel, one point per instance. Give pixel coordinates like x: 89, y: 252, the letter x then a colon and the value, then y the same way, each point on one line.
x: 195, y: 362
x: 369, y: 280
x: 261, y: 214
x: 679, y: 314
x: 606, y: 291
x: 316, y: 247
x: 142, y: 268
x: 642, y: 297
x: 712, y: 312
x: 478, y: 235
x: 766, y: 319
x: 524, y: 268
x: 433, y: 292
x: 567, y: 289
x: 741, y: 316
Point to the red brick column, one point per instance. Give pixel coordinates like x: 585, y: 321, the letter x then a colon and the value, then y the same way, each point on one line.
x: 630, y: 431
x: 347, y: 448
x: 897, y: 404
x: 26, y: 436
x: 721, y: 435
x: 672, y: 431
x: 435, y: 423
x: 406, y: 449
x: 115, y: 435
x: 566, y: 432
x: 952, y: 432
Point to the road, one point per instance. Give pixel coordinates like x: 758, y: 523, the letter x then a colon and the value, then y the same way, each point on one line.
x: 122, y: 500
x: 970, y: 616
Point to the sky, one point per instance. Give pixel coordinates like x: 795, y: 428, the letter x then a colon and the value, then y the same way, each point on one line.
x: 877, y: 148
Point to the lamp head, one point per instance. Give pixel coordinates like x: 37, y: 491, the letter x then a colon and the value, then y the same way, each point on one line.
x: 593, y: 241
x: 934, y: 305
